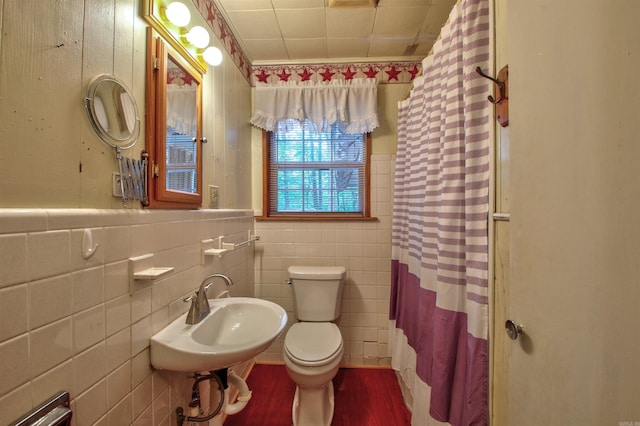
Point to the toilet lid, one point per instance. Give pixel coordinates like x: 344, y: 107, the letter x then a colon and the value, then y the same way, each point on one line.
x: 311, y: 342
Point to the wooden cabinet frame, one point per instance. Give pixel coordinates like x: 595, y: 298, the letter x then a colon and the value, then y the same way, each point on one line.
x: 158, y: 53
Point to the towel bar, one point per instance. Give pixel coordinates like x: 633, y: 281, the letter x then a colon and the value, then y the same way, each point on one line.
x: 54, y: 412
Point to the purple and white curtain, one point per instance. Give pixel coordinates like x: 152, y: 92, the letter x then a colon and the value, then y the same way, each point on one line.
x: 439, y: 295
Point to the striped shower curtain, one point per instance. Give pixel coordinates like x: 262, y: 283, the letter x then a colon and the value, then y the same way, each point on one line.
x: 439, y: 294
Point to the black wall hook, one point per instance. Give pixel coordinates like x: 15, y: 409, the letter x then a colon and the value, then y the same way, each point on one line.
x: 501, y: 87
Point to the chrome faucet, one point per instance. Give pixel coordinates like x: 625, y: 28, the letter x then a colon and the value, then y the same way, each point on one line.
x: 199, y: 301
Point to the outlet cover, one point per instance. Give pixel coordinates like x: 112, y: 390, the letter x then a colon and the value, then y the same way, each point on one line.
x: 117, y: 189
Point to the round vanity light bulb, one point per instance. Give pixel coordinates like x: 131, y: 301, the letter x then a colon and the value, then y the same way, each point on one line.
x: 212, y: 55
x: 199, y: 37
x: 178, y: 14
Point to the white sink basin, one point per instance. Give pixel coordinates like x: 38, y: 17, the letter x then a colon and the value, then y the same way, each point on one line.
x: 236, y: 330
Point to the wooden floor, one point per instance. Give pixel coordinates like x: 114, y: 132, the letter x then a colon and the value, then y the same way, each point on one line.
x: 363, y: 397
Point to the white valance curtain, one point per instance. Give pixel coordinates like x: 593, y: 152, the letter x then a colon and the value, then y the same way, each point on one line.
x: 351, y: 103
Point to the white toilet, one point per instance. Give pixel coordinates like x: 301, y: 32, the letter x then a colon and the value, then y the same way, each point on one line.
x: 313, y: 346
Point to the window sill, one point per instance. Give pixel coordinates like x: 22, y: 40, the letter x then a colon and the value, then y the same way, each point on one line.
x: 314, y: 219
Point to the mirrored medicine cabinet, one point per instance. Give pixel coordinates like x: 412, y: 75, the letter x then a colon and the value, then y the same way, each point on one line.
x: 173, y: 127
x: 175, y: 69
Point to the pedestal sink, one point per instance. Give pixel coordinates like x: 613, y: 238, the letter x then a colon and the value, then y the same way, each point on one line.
x: 236, y: 330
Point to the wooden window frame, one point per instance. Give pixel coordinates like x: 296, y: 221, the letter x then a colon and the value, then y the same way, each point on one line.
x: 297, y: 216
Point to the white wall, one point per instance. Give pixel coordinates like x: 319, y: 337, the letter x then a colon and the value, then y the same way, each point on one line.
x: 45, y: 136
x: 50, y: 154
x: 227, y: 157
x: 70, y: 323
x: 363, y: 248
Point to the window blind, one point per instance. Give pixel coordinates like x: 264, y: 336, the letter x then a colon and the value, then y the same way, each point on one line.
x: 312, y: 172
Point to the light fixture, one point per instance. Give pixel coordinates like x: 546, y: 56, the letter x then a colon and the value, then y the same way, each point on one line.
x: 178, y: 14
x: 212, y: 55
x: 198, y: 36
x: 192, y: 40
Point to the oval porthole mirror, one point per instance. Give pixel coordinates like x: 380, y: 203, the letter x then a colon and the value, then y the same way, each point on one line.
x: 112, y: 112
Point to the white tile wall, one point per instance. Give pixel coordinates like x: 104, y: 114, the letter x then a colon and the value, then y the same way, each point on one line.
x: 70, y: 323
x: 364, y: 248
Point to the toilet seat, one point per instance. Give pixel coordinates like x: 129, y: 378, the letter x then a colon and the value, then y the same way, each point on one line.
x: 313, y: 344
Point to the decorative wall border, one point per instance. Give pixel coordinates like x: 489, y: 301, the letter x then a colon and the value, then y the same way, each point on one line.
x: 384, y: 72
x: 222, y: 31
x: 390, y: 72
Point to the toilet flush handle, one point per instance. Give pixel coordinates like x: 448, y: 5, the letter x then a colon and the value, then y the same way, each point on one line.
x: 289, y: 281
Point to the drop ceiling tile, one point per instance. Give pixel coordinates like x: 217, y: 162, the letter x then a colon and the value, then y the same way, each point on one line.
x: 255, y: 24
x: 348, y: 47
x: 389, y: 48
x: 230, y: 5
x: 436, y: 17
x: 423, y: 49
x: 309, y: 48
x: 313, y: 31
x: 296, y: 4
x: 356, y: 22
x: 301, y: 23
x: 426, y: 38
x: 401, y: 21
x: 265, y: 50
x: 406, y: 3
x: 351, y: 3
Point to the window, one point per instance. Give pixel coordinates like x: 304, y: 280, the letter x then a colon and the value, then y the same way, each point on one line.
x: 315, y: 175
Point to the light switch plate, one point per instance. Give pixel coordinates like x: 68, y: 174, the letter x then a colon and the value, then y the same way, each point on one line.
x: 213, y: 196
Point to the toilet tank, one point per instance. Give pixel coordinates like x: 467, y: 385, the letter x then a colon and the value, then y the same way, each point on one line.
x: 317, y: 291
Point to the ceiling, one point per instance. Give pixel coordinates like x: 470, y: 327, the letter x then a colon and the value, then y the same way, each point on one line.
x: 307, y: 31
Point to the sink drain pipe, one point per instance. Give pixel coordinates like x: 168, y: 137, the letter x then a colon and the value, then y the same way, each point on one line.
x: 243, y: 397
x: 202, y: 389
x: 241, y: 402
x: 195, y: 402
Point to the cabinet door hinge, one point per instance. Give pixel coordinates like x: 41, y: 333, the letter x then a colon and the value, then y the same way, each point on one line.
x: 156, y: 63
x: 156, y: 170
